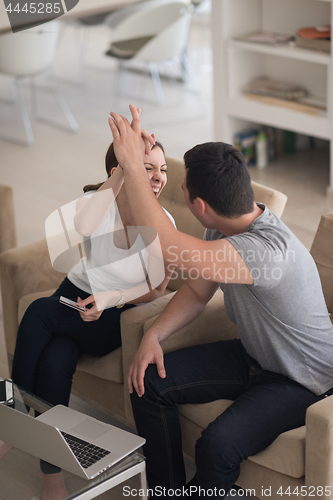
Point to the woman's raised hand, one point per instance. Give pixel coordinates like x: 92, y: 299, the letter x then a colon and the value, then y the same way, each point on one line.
x: 148, y: 145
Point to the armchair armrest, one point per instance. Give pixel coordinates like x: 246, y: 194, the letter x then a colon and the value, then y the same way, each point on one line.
x: 319, y: 446
x: 23, y: 270
x: 132, y: 324
x: 132, y: 328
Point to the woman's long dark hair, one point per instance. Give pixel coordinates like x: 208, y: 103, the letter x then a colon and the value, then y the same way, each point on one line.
x: 110, y: 163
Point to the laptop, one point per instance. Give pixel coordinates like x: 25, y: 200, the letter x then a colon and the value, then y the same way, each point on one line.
x: 69, y: 439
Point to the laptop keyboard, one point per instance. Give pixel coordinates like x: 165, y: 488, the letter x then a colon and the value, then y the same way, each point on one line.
x: 86, y: 453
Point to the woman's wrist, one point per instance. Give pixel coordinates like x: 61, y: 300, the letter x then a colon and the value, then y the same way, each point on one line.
x: 122, y: 300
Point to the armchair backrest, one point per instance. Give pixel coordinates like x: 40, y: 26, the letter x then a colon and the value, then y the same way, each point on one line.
x: 322, y: 252
x: 273, y: 199
x: 172, y: 199
x: 7, y: 219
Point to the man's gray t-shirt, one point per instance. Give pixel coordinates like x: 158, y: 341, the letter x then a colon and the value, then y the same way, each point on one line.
x: 282, y: 318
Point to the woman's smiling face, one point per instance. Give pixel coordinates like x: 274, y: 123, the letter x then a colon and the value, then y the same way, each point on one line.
x: 156, y: 169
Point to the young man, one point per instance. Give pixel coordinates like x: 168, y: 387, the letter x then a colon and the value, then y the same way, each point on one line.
x: 283, y: 361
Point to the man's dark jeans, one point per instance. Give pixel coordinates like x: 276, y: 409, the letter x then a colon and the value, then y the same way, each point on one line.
x: 265, y: 405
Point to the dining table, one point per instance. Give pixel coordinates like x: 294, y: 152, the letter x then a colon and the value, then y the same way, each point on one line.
x: 18, y: 15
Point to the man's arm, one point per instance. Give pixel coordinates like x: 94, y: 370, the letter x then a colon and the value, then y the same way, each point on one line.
x: 183, y: 308
x: 91, y: 212
x: 216, y: 261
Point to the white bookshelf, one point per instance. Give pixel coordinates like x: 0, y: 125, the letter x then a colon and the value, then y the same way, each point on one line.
x: 237, y: 62
x: 283, y: 51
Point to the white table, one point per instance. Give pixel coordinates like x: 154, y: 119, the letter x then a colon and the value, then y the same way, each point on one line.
x: 129, y: 467
x: 83, y: 8
x: 20, y: 475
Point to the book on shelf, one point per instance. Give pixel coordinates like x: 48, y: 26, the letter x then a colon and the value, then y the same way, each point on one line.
x: 276, y: 88
x: 266, y: 37
x: 246, y: 141
x: 321, y: 44
x: 316, y: 102
x: 303, y: 105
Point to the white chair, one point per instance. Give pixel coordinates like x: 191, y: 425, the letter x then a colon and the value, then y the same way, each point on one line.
x: 84, y: 26
x: 27, y: 54
x: 116, y: 17
x: 157, y: 33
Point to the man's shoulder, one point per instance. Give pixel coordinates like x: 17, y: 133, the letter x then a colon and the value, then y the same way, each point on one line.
x: 267, y: 231
x: 266, y: 221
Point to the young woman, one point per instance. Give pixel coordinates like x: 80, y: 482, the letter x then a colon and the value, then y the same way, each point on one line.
x: 52, y: 337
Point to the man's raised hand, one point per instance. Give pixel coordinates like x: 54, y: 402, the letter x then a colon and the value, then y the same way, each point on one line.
x: 131, y: 143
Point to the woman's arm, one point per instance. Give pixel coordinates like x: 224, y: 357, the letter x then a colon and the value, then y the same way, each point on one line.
x: 138, y: 294
x: 90, y: 212
x: 154, y: 293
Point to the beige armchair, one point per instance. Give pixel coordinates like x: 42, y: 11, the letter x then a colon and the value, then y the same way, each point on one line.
x: 7, y: 219
x: 26, y: 273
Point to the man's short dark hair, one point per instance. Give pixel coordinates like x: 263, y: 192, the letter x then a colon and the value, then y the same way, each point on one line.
x: 217, y: 173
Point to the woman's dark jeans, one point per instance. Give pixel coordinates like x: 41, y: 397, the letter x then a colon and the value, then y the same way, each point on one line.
x: 265, y: 405
x: 51, y: 339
